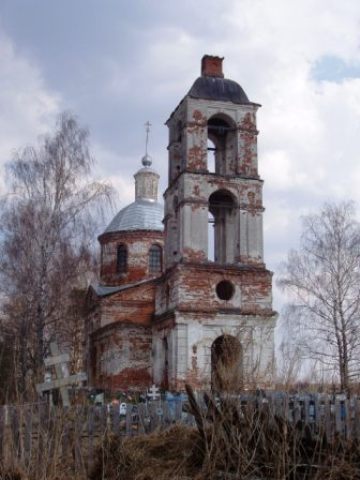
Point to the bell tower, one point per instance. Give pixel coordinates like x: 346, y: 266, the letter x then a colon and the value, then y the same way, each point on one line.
x: 217, y: 288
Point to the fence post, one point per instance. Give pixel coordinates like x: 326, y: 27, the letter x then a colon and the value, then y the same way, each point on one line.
x: 129, y: 419
x: 7, y: 439
x: 356, y: 428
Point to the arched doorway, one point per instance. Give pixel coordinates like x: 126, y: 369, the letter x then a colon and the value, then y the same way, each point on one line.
x: 226, y: 364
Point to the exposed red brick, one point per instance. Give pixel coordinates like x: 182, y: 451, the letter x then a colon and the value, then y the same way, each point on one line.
x: 199, y: 117
x: 212, y: 66
x: 196, y: 158
x: 134, y: 345
x: 128, y: 379
x: 138, y: 261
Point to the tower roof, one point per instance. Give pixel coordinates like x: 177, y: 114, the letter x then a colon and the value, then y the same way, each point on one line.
x: 213, y: 86
x: 217, y: 88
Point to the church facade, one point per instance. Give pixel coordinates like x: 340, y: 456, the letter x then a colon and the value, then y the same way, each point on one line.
x: 184, y: 294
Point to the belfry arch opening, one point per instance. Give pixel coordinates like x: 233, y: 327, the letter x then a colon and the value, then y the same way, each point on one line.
x: 221, y: 145
x: 211, y: 161
x: 226, y: 364
x: 211, y: 237
x: 221, y: 230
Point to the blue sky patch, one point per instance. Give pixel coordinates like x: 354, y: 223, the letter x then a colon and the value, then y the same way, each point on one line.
x: 334, y: 69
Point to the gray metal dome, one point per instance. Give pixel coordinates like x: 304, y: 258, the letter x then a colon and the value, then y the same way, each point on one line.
x: 139, y: 215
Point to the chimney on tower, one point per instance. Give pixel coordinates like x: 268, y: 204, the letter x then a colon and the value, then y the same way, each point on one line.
x: 212, y: 66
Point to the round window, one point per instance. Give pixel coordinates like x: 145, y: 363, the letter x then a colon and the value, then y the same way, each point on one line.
x: 224, y: 290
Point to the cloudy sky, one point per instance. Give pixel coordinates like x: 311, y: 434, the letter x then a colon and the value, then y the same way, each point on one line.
x: 117, y: 64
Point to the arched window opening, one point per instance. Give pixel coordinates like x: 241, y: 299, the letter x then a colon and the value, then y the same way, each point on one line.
x: 122, y: 259
x: 155, y: 259
x: 211, y: 156
x: 211, y: 237
x: 226, y: 364
x: 222, y: 208
x: 221, y: 132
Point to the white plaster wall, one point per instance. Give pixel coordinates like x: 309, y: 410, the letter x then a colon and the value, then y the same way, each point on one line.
x: 255, y: 334
x: 260, y: 236
x: 231, y: 237
x: 254, y: 236
x: 263, y: 337
x: 194, y: 231
x: 243, y: 247
x: 181, y: 333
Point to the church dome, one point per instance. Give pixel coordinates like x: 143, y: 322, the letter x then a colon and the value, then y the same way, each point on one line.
x: 142, y: 214
x: 145, y: 213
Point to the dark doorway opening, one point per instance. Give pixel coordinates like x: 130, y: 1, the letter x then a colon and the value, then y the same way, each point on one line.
x: 226, y: 364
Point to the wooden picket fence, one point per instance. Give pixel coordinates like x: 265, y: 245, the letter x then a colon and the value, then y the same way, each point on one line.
x: 28, y: 431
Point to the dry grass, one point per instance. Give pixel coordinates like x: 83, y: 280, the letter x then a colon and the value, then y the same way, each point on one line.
x: 172, y: 454
x: 228, y: 443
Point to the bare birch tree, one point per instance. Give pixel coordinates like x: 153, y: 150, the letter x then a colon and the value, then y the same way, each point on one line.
x: 289, y: 358
x: 323, y: 280
x: 47, y: 230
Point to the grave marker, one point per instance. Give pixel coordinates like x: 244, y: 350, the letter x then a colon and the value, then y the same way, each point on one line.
x: 153, y: 393
x: 63, y: 380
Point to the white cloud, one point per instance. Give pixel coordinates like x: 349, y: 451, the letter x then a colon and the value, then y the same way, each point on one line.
x: 309, y: 132
x: 162, y: 71
x: 27, y: 107
x: 108, y: 169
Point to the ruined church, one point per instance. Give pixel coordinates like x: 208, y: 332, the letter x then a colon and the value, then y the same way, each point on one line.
x: 184, y: 294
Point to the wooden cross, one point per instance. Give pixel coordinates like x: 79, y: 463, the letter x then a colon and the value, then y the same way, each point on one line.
x: 153, y: 393
x: 63, y: 380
